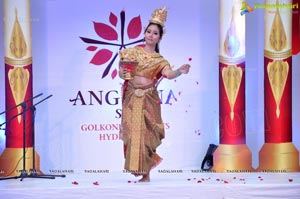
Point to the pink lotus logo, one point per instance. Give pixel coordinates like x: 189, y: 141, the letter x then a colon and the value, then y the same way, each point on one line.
x: 107, y: 35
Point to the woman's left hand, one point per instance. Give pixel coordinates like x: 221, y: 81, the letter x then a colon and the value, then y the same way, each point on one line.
x: 185, y: 68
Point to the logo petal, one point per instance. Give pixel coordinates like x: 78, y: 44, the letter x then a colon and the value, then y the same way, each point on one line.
x: 113, y: 19
x: 134, y: 27
x: 106, y: 32
x: 91, y: 48
x: 101, y: 57
x: 114, y: 74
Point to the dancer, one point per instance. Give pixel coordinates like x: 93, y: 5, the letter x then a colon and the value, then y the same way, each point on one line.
x: 142, y: 128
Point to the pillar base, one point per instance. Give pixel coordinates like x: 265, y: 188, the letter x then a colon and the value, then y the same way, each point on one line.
x: 232, y: 158
x: 11, y: 161
x: 278, y: 157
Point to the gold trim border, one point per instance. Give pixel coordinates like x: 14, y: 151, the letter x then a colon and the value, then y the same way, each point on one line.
x: 231, y: 60
x: 18, y: 62
x: 277, y: 55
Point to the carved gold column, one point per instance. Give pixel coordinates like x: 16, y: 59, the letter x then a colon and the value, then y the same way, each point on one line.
x: 296, y: 27
x: 232, y: 154
x: 278, y: 152
x: 18, y: 86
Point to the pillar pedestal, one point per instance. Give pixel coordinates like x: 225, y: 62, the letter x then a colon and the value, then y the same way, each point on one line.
x: 278, y: 157
x: 232, y: 158
x: 11, y: 161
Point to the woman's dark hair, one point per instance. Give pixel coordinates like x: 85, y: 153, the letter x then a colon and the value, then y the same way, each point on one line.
x: 161, y: 31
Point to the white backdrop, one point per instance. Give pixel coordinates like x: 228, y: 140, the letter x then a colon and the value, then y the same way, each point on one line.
x: 62, y: 68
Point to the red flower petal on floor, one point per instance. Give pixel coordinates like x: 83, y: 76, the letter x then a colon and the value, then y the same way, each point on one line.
x: 225, y: 181
x: 95, y: 183
x: 129, y: 181
x: 199, y: 181
x: 75, y: 183
x: 290, y: 180
x: 190, y: 59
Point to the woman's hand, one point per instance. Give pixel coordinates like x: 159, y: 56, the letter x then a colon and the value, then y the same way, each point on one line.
x: 184, y: 69
x: 122, y: 71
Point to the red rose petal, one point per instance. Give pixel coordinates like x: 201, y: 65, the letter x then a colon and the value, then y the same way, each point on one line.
x: 75, y: 183
x: 96, y: 183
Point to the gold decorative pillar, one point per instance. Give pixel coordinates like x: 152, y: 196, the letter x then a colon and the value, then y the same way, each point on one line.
x: 232, y: 154
x: 278, y: 152
x: 18, y: 88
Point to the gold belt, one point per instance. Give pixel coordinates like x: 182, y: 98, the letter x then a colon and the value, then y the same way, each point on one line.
x: 139, y: 92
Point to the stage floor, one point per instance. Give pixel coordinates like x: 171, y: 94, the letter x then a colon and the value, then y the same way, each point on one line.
x: 164, y: 184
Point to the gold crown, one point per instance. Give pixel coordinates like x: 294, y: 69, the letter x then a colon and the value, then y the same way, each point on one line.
x: 159, y: 16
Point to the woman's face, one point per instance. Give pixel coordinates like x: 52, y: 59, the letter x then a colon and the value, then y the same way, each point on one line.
x: 152, y: 35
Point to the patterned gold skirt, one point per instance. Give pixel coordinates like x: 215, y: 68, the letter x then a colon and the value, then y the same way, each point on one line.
x: 142, y: 128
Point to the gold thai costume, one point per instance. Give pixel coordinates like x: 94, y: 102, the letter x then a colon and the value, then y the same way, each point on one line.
x: 142, y: 128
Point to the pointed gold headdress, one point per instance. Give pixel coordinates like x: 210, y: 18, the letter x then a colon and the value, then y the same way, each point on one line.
x: 159, y: 16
